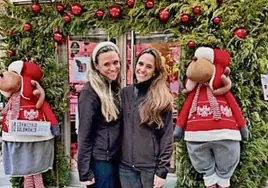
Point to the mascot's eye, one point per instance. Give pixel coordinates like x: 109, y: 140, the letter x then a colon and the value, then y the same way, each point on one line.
x: 1, y: 75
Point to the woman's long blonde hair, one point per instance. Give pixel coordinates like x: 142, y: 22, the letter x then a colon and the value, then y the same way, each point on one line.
x: 109, y: 108
x: 159, y: 98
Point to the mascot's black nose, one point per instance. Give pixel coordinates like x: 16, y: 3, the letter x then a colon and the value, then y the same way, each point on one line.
x: 1, y: 75
x: 194, y: 59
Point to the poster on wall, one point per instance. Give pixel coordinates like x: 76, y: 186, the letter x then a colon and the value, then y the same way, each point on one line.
x: 79, y: 56
x: 78, y: 69
x: 264, y: 81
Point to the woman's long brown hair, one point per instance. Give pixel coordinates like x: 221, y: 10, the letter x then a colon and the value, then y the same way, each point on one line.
x: 159, y: 98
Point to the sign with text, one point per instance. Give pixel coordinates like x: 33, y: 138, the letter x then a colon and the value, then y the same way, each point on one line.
x: 30, y: 128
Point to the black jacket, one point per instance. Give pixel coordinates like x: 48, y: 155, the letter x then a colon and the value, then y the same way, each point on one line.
x: 144, y: 147
x: 97, y: 139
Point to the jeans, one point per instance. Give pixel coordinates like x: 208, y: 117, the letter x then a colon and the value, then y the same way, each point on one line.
x: 105, y: 174
x: 135, y: 178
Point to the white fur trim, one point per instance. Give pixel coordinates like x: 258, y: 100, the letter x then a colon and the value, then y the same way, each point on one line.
x: 16, y: 66
x: 212, y: 78
x: 223, y: 182
x: 19, y: 138
x: 190, y: 85
x: 210, y: 180
x: 101, y: 45
x: 212, y: 135
x: 205, y: 52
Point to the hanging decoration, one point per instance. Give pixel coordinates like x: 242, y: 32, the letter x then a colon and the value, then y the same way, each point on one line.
x: 11, y: 32
x: 27, y: 27
x: 164, y: 14
x: 100, y: 13
x: 196, y: 10
x: 191, y: 44
x: 130, y: 3
x: 58, y: 37
x: 36, y: 8
x: 60, y: 8
x: 67, y: 18
x: 241, y: 33
x: 185, y: 18
x: 11, y: 53
x: 216, y: 20
x: 149, y: 4
x: 115, y: 11
x: 76, y: 9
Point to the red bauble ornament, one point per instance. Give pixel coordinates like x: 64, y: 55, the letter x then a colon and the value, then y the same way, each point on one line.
x: 191, y: 44
x: 77, y: 9
x: 27, y: 27
x: 219, y: 1
x: 163, y: 15
x: 60, y: 7
x: 99, y: 13
x: 130, y: 3
x: 67, y: 18
x: 241, y: 33
x: 11, y: 53
x: 115, y: 11
x: 36, y: 8
x: 216, y: 20
x: 197, y: 10
x: 58, y: 37
x: 11, y: 32
x: 149, y: 4
x: 185, y: 18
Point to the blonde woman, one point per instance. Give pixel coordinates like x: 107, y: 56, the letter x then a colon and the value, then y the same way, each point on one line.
x: 147, y: 125
x: 98, y: 109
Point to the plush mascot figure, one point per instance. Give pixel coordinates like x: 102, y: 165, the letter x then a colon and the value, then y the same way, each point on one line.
x: 29, y: 125
x: 211, y: 120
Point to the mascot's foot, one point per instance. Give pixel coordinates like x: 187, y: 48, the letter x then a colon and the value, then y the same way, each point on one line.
x: 212, y: 186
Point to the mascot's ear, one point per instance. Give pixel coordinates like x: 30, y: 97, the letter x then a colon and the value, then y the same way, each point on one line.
x: 6, y: 94
x: 189, y: 86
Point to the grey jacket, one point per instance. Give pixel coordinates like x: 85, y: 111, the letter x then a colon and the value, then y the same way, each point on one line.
x: 144, y: 147
x: 97, y: 139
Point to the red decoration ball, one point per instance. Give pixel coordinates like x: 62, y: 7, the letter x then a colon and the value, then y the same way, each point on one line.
x: 67, y: 18
x: 130, y: 3
x: 241, y: 33
x: 36, y: 8
x: 60, y: 7
x: 58, y: 37
x: 27, y: 27
x: 11, y: 32
x: 149, y: 4
x: 163, y: 15
x: 11, y: 53
x: 216, y: 20
x: 114, y: 11
x: 77, y: 9
x: 185, y: 18
x: 191, y: 44
x: 197, y: 10
x: 99, y: 13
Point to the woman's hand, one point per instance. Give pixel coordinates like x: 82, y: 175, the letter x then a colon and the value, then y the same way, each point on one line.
x: 90, y: 182
x: 158, y: 182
